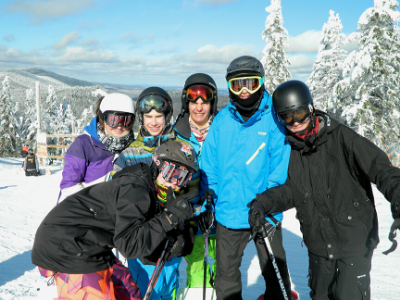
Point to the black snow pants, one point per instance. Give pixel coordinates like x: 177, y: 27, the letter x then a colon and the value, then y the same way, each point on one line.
x: 229, y: 252
x: 339, y: 279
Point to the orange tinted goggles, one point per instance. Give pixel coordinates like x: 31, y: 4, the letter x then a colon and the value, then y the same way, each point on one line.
x: 196, y: 91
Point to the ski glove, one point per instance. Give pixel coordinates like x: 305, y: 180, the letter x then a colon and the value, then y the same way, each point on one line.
x: 205, y: 220
x: 180, y: 242
x: 260, y: 227
x: 392, y: 234
x: 180, y: 208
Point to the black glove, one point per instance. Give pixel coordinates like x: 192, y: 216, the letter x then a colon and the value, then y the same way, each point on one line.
x: 260, y: 227
x: 180, y: 242
x: 205, y: 220
x: 180, y: 207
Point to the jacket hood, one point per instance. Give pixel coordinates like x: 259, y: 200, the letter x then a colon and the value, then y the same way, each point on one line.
x: 182, y: 126
x: 264, y: 107
x: 91, y: 129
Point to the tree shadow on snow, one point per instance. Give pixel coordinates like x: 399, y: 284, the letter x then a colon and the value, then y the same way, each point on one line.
x: 7, y: 186
x: 11, y: 161
x: 297, y: 260
x: 15, y: 267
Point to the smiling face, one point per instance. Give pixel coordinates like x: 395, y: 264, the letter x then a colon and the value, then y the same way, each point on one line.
x: 173, y: 185
x: 154, y: 122
x: 199, y: 112
x: 296, y: 127
x: 116, y: 132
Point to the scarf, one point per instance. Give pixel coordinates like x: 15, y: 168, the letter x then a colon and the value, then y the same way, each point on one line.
x: 200, y: 133
x: 310, y: 131
x: 162, y: 193
x: 114, y: 145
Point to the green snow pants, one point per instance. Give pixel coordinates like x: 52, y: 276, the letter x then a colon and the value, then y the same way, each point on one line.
x: 195, y: 260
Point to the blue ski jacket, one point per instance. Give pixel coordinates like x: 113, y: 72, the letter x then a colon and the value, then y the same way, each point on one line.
x: 241, y: 159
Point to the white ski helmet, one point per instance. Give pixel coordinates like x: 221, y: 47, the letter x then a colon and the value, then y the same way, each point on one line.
x: 116, y: 102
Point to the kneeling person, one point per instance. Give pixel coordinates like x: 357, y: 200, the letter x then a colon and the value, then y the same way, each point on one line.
x: 75, y: 240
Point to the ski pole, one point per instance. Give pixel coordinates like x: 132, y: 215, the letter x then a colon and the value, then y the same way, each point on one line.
x: 271, y: 255
x: 208, y: 197
x: 156, y: 273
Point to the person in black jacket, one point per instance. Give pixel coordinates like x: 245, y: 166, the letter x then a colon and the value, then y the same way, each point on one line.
x: 329, y: 180
x: 75, y: 240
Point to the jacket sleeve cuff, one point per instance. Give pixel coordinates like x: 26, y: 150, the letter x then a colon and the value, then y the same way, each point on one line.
x: 268, y: 206
x: 168, y: 221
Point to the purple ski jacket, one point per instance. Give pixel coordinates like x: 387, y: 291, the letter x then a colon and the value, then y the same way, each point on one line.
x: 87, y: 162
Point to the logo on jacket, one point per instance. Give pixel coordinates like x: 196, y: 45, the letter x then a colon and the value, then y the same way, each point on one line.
x: 262, y: 133
x: 186, y: 149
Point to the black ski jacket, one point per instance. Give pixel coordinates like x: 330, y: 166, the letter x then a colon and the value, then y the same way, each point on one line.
x: 329, y: 183
x: 77, y: 236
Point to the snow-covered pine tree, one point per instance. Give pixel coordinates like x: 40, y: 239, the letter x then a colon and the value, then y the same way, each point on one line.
x: 367, y: 99
x: 328, y: 66
x: 7, y: 127
x: 50, y: 119
x: 29, y: 130
x: 87, y: 116
x: 274, y: 59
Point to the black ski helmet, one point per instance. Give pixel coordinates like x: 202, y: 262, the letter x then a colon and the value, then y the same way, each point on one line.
x: 155, y: 91
x: 177, y: 152
x: 243, y: 66
x: 200, y: 79
x: 291, y: 95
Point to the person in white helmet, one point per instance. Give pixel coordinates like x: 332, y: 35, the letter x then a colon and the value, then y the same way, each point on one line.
x: 90, y: 158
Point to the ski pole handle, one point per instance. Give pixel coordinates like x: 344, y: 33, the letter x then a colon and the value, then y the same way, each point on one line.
x: 208, y: 198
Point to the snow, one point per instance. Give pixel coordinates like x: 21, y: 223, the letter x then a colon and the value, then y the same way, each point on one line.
x: 26, y: 200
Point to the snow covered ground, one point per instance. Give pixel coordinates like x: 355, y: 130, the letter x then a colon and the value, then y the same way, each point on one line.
x: 24, y: 201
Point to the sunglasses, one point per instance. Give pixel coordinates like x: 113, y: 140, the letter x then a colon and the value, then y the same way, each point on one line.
x: 299, y: 115
x: 156, y: 102
x: 252, y: 84
x: 196, y: 91
x: 174, y: 173
x: 114, y: 119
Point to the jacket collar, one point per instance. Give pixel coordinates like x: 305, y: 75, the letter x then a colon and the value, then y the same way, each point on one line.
x: 264, y: 107
x: 182, y: 126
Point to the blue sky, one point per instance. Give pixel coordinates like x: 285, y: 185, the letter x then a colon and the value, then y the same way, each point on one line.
x: 158, y: 42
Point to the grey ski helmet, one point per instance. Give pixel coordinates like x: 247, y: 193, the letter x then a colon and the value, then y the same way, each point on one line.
x: 156, y: 91
x: 200, y: 79
x: 176, y: 152
x: 244, y: 66
x: 291, y: 95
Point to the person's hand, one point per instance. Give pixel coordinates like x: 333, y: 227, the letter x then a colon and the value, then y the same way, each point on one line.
x: 205, y: 220
x: 392, y: 234
x: 180, y: 207
x: 180, y: 242
x: 260, y: 227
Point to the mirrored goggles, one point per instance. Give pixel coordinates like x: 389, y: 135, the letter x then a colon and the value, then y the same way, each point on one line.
x: 156, y: 102
x: 174, y: 173
x: 299, y: 115
x: 196, y: 91
x: 115, y: 119
x: 252, y: 84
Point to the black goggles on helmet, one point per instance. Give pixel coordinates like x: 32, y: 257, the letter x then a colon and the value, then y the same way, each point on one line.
x: 299, y: 115
x: 156, y: 102
x: 115, y: 119
x: 174, y: 173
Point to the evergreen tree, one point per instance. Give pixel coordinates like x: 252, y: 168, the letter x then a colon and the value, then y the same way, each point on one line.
x: 367, y: 99
x: 87, y: 116
x: 274, y: 58
x: 29, y: 130
x: 328, y: 66
x: 50, y: 120
x: 7, y: 126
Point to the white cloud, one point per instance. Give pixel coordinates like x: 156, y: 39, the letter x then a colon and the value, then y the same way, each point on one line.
x: 9, y: 38
x: 301, y: 63
x: 305, y: 42
x: 89, y: 25
x: 89, y: 42
x: 214, y: 1
x: 81, y: 55
x: 68, y: 39
x: 40, y: 11
x: 223, y: 55
x: 133, y: 38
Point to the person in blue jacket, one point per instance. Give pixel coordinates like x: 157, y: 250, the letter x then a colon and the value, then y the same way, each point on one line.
x: 199, y: 107
x: 245, y: 153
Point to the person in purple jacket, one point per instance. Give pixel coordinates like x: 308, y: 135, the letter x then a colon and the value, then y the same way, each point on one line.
x: 90, y: 157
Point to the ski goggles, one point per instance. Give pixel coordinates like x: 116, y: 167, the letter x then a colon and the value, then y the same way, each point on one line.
x: 175, y: 173
x: 196, y: 91
x: 251, y: 84
x: 115, y: 119
x: 156, y: 102
x: 299, y: 115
